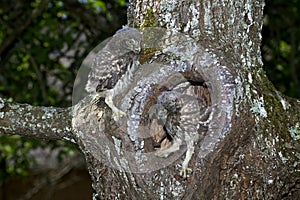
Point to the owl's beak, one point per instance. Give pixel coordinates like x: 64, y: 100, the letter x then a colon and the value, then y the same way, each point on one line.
x: 137, y: 49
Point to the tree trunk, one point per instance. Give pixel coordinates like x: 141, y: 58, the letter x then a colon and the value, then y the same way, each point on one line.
x: 249, y: 148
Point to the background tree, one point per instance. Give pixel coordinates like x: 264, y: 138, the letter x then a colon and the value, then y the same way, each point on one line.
x: 33, y: 47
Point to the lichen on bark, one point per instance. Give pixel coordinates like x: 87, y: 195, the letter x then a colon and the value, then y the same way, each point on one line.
x: 39, y: 122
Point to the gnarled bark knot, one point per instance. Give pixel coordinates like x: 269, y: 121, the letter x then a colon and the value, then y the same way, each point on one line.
x: 170, y: 61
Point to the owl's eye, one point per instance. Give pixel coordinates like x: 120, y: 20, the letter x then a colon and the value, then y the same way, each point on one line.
x: 130, y: 43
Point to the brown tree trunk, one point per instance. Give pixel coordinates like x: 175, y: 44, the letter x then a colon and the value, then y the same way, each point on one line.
x: 250, y: 149
x: 250, y: 146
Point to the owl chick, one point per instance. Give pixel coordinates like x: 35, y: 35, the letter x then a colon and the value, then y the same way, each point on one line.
x: 113, y: 67
x: 182, y: 115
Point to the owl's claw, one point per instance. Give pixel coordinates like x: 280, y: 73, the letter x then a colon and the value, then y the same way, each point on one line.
x: 118, y: 114
x: 184, y: 171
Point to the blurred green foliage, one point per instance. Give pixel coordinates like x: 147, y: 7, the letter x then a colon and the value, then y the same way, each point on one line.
x: 281, y: 45
x: 42, y: 45
x: 43, y: 42
x: 12, y: 159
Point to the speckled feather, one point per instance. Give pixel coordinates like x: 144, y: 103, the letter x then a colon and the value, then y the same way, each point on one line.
x: 184, y: 112
x: 112, y: 62
x: 183, y: 115
x: 113, y: 67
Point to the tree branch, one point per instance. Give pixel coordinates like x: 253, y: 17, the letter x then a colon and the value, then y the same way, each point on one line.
x: 40, y: 122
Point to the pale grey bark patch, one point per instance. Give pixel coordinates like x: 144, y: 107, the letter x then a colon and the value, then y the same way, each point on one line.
x: 32, y: 121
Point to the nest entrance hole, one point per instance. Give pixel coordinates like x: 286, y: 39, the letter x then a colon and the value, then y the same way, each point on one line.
x: 197, y: 88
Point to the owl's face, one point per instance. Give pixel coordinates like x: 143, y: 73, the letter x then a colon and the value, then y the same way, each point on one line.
x: 133, y: 45
x: 169, y: 100
x: 126, y: 41
x: 158, y: 112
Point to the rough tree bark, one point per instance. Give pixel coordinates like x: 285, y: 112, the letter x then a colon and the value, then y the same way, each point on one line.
x: 250, y: 149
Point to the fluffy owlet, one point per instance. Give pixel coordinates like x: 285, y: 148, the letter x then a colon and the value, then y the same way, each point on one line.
x: 183, y: 116
x: 113, y: 66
